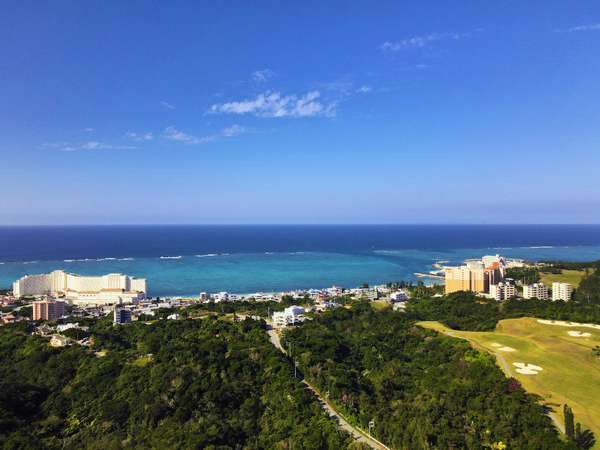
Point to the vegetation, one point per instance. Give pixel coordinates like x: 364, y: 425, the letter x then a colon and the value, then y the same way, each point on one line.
x: 214, y: 381
x: 572, y: 265
x: 421, y: 389
x: 570, y: 276
x: 589, y: 289
x: 569, y: 375
x: 524, y: 275
x: 466, y: 311
x: 209, y: 383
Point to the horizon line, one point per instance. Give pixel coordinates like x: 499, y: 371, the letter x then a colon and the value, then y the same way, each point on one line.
x: 225, y: 224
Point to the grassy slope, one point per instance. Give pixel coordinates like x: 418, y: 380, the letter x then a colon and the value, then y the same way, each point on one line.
x: 571, y: 373
x: 573, y: 277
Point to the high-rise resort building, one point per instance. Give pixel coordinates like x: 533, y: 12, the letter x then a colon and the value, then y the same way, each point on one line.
x: 535, y: 290
x: 475, y: 275
x: 83, y: 290
x: 48, y: 310
x: 561, y: 291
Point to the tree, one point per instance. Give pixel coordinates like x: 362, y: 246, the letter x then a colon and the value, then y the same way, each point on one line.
x: 584, y: 439
x: 569, y: 422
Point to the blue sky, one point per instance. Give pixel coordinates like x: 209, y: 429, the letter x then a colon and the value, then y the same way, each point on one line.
x: 300, y: 112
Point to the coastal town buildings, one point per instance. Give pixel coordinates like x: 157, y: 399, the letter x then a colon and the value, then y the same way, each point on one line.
x: 48, y: 310
x: 535, y: 290
x: 121, y: 315
x: 562, y: 291
x: 291, y: 315
x: 398, y: 296
x: 80, y: 290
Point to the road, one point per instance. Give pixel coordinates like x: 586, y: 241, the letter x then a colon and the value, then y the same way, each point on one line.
x: 355, y: 432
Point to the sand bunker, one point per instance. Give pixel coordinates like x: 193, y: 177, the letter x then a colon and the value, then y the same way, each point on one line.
x: 527, y: 369
x: 562, y: 323
x: 578, y: 334
x: 507, y: 349
x: 495, y: 344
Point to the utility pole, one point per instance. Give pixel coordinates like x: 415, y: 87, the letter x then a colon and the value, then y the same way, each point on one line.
x: 295, y: 366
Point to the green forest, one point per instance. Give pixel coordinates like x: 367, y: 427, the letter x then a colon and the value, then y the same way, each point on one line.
x: 205, y: 384
x: 214, y: 381
x: 466, y: 311
x: 422, y: 390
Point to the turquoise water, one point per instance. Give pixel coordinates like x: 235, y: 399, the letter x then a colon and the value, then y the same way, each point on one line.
x: 277, y: 271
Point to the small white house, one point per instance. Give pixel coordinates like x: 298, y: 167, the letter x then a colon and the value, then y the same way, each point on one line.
x: 289, y: 316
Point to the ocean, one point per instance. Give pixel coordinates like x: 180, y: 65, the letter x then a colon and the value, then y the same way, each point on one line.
x: 186, y: 260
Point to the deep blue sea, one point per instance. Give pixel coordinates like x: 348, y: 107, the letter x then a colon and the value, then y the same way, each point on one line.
x: 185, y: 260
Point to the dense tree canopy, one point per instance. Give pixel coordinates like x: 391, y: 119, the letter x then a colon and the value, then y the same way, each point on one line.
x: 204, y: 383
x: 466, y: 311
x: 422, y: 390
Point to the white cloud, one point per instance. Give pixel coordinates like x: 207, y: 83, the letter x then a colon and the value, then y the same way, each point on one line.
x: 139, y: 137
x: 273, y: 104
x: 88, y: 130
x: 418, y: 41
x: 233, y: 130
x: 591, y: 27
x: 364, y: 89
x: 89, y: 145
x: 174, y: 134
x: 260, y: 76
x: 167, y: 105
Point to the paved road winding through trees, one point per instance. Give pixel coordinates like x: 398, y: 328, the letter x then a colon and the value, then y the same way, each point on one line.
x: 356, y: 433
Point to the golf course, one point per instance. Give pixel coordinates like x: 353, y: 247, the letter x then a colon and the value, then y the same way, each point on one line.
x: 572, y: 277
x: 552, y: 359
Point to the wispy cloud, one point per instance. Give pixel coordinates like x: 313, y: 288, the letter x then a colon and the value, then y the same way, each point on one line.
x: 260, y: 76
x: 344, y: 87
x: 139, y: 137
x: 174, y: 134
x: 89, y: 145
x: 233, y: 130
x: 167, y: 105
x: 419, y: 41
x: 88, y: 130
x: 273, y: 104
x: 590, y: 27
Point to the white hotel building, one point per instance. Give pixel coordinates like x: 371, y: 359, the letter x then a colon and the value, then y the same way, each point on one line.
x: 561, y: 291
x: 535, y: 290
x: 83, y: 290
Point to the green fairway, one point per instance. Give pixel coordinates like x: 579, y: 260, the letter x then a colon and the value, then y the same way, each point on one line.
x: 573, y: 277
x: 571, y: 373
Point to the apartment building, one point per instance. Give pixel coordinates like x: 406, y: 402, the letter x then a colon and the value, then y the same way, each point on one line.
x: 562, y: 291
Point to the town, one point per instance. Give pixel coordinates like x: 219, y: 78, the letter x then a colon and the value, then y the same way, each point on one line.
x: 63, y: 295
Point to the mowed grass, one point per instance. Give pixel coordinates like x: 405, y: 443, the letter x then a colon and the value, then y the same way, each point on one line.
x: 573, y: 277
x: 571, y: 373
